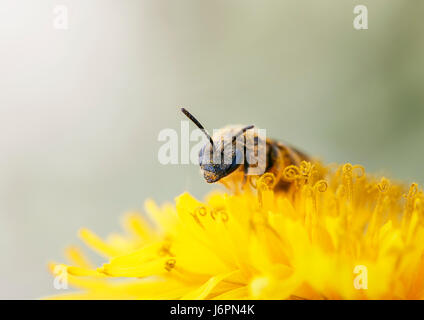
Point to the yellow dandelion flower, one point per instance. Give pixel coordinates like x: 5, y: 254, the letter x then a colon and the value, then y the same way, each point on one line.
x: 336, y: 233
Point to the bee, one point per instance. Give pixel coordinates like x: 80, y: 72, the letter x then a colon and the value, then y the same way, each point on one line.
x: 230, y: 143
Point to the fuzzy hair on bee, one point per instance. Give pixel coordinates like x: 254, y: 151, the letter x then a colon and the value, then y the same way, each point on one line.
x: 232, y: 148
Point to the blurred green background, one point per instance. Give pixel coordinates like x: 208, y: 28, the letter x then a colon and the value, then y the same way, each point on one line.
x: 81, y: 109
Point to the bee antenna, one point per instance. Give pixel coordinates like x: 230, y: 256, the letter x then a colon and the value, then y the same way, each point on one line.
x: 198, y: 124
x: 241, y: 132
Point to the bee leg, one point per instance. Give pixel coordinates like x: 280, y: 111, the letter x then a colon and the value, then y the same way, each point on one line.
x: 245, y: 176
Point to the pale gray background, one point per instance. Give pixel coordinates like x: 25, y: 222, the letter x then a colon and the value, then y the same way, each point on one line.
x: 80, y: 110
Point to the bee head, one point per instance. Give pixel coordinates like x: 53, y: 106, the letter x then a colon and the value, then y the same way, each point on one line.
x: 216, y: 164
x: 218, y: 159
